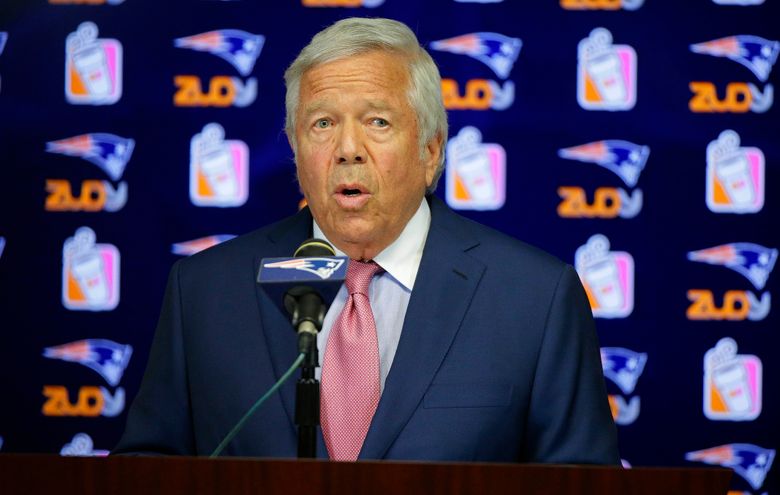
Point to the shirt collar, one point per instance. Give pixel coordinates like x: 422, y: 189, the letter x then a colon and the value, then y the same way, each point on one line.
x: 401, y: 259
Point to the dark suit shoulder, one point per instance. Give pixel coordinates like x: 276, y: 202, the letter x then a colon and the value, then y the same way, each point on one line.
x: 493, y: 248
x: 502, y: 247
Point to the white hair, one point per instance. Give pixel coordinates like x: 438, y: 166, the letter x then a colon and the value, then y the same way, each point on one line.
x: 356, y: 35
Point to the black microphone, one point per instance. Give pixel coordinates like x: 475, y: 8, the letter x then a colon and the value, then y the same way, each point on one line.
x: 304, y: 286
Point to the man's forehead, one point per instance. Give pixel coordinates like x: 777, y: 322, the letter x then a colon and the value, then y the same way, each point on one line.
x: 323, y: 103
x: 377, y: 79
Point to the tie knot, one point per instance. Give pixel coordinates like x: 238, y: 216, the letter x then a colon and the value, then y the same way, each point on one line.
x: 359, y: 275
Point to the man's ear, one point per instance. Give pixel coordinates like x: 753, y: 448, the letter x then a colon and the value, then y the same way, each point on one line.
x: 432, y: 157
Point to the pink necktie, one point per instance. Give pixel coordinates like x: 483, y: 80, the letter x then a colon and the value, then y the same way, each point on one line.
x: 350, y: 371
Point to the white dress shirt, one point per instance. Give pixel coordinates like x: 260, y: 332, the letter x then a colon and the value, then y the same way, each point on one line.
x: 389, y: 292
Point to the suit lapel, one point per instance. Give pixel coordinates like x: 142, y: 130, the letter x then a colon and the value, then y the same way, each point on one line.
x: 444, y: 287
x: 279, y: 336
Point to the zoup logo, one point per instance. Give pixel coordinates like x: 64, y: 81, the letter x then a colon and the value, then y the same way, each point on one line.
x: 111, y: 154
x: 106, y: 357
x: 495, y: 50
x: 476, y: 172
x: 755, y: 53
x: 219, y: 169
x: 752, y: 261
x: 322, y: 267
x: 82, y: 446
x: 91, y: 402
x: 735, y: 176
x: 93, y: 67
x: 188, y: 248
x: 238, y: 48
x: 608, y: 278
x: 623, y: 367
x: 601, y: 4
x: 740, y: 97
x: 749, y: 461
x: 624, y: 159
x: 342, y: 3
x: 606, y: 73
x: 732, y: 383
x: 90, y: 273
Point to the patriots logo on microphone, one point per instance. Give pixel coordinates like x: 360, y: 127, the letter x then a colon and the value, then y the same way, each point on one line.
x: 756, y: 53
x: 322, y: 267
x: 623, y: 366
x: 749, y: 461
x: 623, y: 158
x: 752, y: 261
x: 495, y: 50
x: 109, y: 152
x: 238, y: 48
x: 108, y: 358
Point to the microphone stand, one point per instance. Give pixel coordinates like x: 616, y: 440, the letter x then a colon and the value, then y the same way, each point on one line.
x: 307, y: 391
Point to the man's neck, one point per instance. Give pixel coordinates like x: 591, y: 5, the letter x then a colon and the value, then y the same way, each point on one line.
x: 401, y: 259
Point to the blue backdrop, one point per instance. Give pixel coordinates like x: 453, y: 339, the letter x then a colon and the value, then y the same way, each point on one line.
x: 636, y: 140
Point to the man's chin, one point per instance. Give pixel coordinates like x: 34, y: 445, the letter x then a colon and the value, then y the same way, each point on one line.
x: 354, y: 238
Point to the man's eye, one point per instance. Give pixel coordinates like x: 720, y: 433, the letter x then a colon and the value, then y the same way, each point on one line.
x: 380, y: 122
x: 322, y: 124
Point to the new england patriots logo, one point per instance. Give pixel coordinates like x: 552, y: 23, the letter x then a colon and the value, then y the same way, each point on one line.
x: 109, y: 359
x: 749, y: 461
x: 188, y: 248
x: 239, y: 48
x: 625, y: 159
x: 109, y: 152
x: 495, y: 50
x: 752, y: 261
x: 322, y: 267
x: 755, y: 53
x: 623, y: 366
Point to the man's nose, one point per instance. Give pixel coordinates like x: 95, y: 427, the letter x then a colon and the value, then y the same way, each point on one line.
x: 350, y: 147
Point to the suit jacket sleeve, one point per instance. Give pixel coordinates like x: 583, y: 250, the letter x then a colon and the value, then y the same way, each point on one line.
x: 569, y: 419
x: 159, y: 421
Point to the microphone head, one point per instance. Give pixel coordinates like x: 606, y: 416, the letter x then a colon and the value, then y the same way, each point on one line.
x: 313, y: 270
x: 314, y: 247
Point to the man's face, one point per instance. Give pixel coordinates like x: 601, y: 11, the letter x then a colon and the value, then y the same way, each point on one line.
x: 358, y: 156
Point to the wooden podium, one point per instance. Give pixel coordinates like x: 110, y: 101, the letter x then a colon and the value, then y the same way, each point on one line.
x: 43, y: 474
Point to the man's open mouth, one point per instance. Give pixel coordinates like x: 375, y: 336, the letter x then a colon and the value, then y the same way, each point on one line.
x: 352, y: 196
x: 351, y: 190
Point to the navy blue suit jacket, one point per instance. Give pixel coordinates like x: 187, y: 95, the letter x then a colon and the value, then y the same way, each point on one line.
x: 498, y: 358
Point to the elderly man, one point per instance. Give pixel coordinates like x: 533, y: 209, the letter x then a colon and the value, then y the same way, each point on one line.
x: 449, y: 341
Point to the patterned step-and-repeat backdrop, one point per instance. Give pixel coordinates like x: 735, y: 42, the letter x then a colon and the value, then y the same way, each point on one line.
x: 637, y: 140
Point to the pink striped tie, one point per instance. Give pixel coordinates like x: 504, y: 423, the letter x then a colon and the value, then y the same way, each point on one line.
x: 350, y: 371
